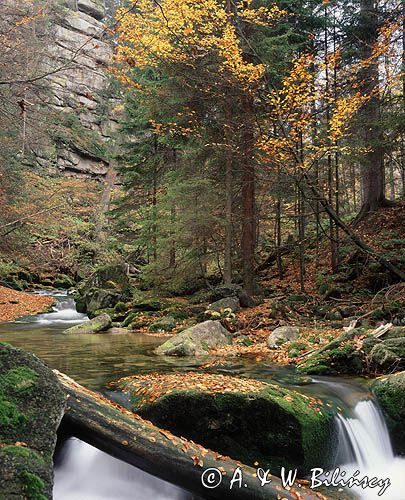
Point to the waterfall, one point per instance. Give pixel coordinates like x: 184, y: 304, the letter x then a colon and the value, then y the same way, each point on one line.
x: 86, y: 473
x: 63, y: 312
x: 365, y: 446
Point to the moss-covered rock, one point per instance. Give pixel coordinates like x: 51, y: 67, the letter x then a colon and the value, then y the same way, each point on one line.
x: 390, y: 392
x: 98, y: 324
x: 165, y: 324
x: 31, y: 406
x: 341, y: 356
x: 196, y: 340
x: 108, y: 286
x: 249, y: 420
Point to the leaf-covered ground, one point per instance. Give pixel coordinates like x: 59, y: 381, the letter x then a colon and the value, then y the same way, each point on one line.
x: 14, y: 304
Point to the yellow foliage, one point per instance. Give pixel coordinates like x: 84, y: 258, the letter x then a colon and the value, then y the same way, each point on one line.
x: 188, y: 31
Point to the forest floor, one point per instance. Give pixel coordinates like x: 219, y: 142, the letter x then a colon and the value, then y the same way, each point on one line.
x: 14, y: 304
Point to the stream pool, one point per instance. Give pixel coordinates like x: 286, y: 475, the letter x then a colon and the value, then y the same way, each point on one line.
x: 85, y: 473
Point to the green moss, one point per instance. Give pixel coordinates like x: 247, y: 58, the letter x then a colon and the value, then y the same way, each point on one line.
x: 34, y: 486
x: 19, y: 380
x: 21, y: 451
x: 10, y: 416
x: 390, y: 392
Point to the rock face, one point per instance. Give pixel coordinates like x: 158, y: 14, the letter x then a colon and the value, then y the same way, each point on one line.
x: 197, y: 340
x: 31, y: 407
x: 282, y: 334
x: 98, y: 324
x: 390, y: 392
x: 79, y: 53
x: 231, y: 303
x: 248, y: 420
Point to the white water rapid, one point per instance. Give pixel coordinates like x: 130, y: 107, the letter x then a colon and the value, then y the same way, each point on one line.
x: 365, y: 446
x: 86, y: 473
x: 64, y: 312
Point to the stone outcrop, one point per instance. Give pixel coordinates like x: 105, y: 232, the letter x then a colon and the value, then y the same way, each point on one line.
x: 84, y: 123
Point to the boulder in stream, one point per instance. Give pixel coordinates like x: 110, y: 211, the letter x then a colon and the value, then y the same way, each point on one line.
x: 31, y: 407
x: 196, y: 340
x: 390, y: 392
x: 99, y: 324
x: 246, y: 419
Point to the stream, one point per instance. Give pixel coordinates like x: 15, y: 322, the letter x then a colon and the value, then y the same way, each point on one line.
x: 83, y: 472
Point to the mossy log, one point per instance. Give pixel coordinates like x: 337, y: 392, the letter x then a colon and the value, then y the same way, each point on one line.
x: 128, y: 437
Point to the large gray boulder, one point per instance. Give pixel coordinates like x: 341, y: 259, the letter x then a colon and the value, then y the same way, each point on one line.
x: 98, y: 324
x: 197, y: 340
x: 32, y: 403
x: 231, y: 303
x: 282, y: 334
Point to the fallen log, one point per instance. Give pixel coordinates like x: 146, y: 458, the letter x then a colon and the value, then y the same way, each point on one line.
x: 126, y: 436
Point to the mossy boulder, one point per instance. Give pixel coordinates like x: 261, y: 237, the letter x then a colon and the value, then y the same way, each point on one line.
x: 340, y: 356
x: 165, y: 324
x: 31, y: 407
x: 196, y: 340
x: 149, y: 305
x: 108, y: 286
x: 249, y: 420
x: 99, y: 324
x: 390, y: 392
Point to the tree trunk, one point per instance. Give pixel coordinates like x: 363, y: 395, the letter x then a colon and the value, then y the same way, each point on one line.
x: 228, y: 196
x: 372, y: 171
x: 248, y: 242
x: 126, y: 436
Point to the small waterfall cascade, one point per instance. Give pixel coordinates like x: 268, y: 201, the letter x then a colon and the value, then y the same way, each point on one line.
x: 365, y: 446
x: 83, y: 472
x: 64, y: 312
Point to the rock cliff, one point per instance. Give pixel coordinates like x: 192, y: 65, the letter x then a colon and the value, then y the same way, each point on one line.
x: 82, y: 118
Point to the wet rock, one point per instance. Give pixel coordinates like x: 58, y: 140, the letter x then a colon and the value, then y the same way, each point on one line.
x: 31, y: 407
x: 251, y: 421
x: 231, y: 303
x: 390, y: 392
x: 98, y: 324
x: 282, y: 334
x: 165, y: 324
x: 196, y: 340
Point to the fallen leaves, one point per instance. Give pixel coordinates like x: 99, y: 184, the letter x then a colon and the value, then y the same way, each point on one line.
x: 14, y: 304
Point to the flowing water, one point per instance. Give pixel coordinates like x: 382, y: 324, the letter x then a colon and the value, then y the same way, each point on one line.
x: 85, y: 473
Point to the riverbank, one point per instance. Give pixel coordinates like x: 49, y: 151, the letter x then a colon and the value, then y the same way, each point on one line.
x: 14, y: 304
